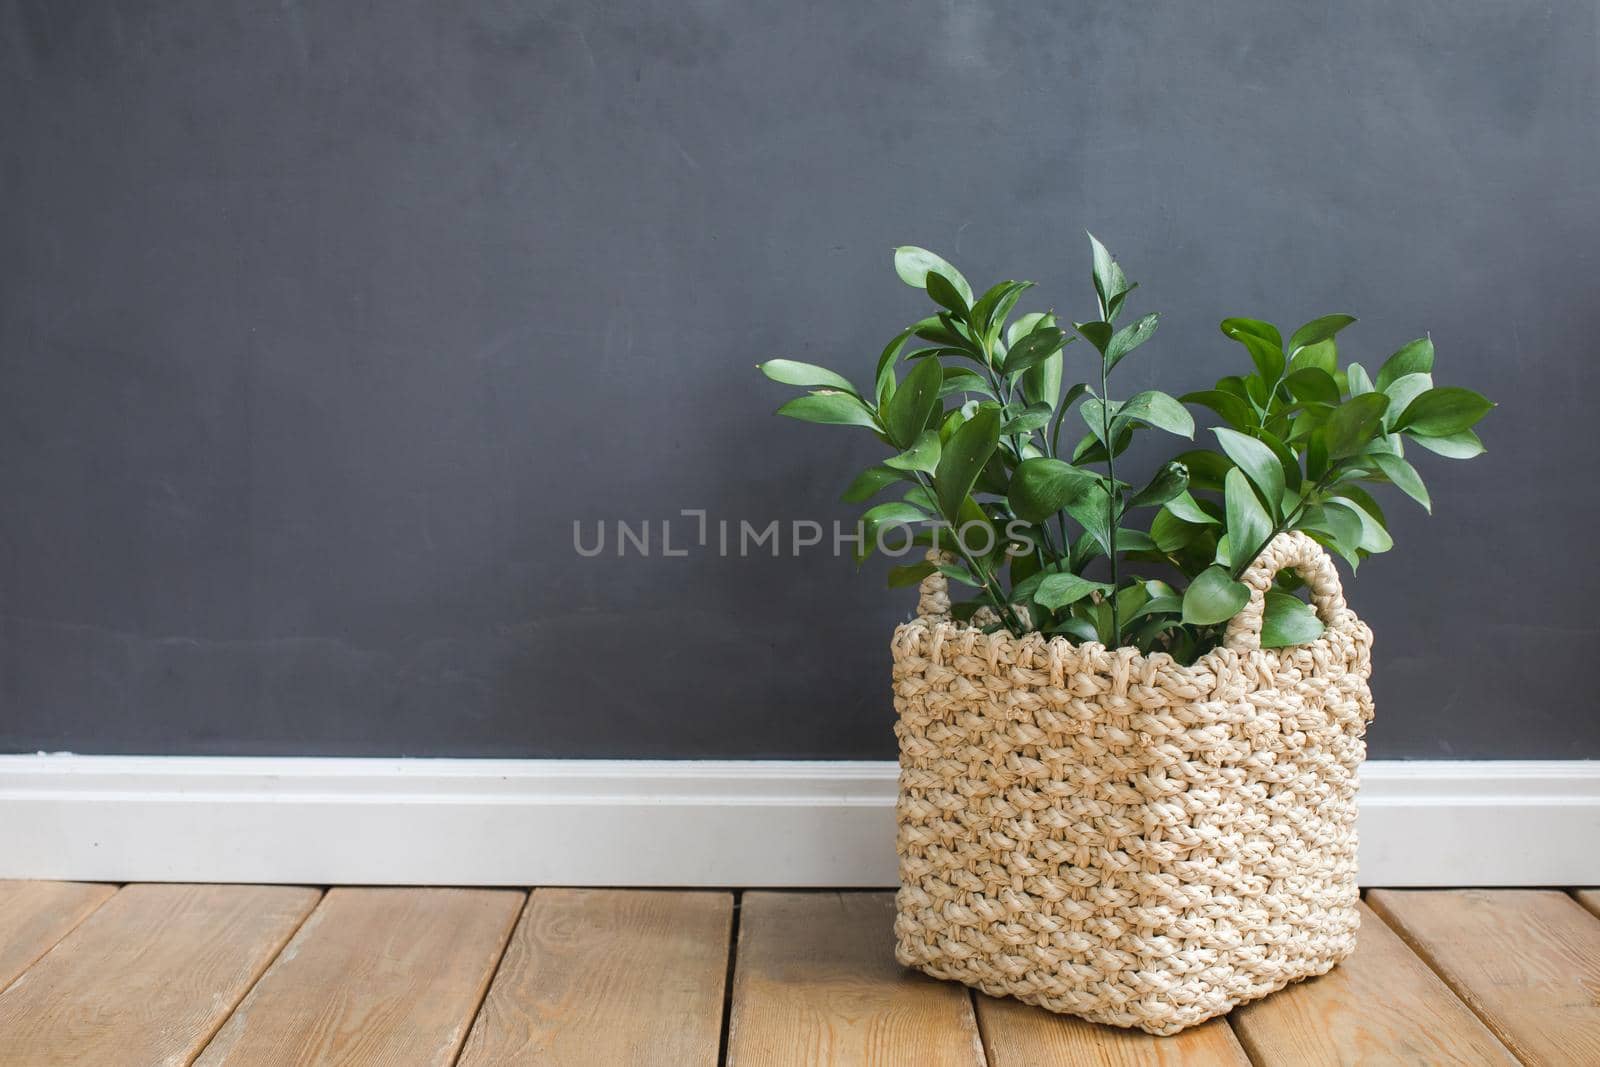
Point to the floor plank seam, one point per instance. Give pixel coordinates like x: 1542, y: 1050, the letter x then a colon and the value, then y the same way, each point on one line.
x: 64, y: 935
x: 251, y: 988
x: 1254, y: 1054
x: 978, y: 1026
x: 727, y: 978
x: 494, y: 972
x: 1417, y: 950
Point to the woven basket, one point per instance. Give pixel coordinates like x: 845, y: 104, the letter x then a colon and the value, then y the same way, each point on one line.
x: 1118, y: 836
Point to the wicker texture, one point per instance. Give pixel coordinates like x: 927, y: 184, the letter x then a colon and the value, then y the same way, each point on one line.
x: 1121, y: 837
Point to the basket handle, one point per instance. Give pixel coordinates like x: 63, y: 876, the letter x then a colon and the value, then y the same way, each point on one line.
x: 934, y: 599
x: 1298, y: 552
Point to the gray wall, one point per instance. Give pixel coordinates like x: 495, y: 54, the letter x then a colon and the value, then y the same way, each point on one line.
x: 321, y: 323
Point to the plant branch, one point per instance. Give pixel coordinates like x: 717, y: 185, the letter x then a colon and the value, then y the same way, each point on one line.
x: 985, y: 578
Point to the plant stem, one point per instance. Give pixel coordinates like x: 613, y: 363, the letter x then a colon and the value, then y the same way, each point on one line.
x: 1111, y: 493
x: 1048, y: 447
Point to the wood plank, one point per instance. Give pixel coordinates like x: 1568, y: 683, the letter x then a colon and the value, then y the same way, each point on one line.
x: 816, y: 982
x: 148, y: 977
x: 1020, y: 1035
x: 1526, y: 960
x: 600, y: 976
x: 1381, y: 1006
x: 376, y: 976
x: 36, y: 915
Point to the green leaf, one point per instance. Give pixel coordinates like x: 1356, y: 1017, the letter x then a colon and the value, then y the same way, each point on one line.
x: 1026, y: 324
x: 793, y: 372
x: 1255, y: 328
x: 913, y: 265
x: 1128, y: 338
x: 993, y: 306
x: 1057, y: 591
x: 1110, y: 284
x: 1323, y: 356
x: 1357, y: 380
x: 1188, y: 509
x: 1040, y: 487
x: 1036, y: 347
x: 1341, y: 523
x: 942, y: 330
x: 1316, y: 446
x: 1349, y: 555
x: 1353, y: 424
x: 1063, y: 406
x: 1130, y: 598
x: 1041, y: 383
x: 1156, y: 605
x: 922, y: 456
x: 1093, y: 413
x: 942, y: 291
x: 1405, y: 478
x: 1314, y: 385
x: 1248, y: 524
x: 1402, y: 391
x: 869, y: 483
x: 1233, y: 409
x: 1036, y: 416
x: 1222, y: 555
x: 1318, y: 330
x: 884, y: 379
x: 1463, y: 445
x: 909, y: 409
x: 1374, y: 538
x: 830, y: 409
x: 1264, y: 351
x: 923, y: 499
x: 911, y: 574
x: 963, y: 380
x: 1134, y: 541
x: 1257, y: 391
x: 1207, y: 469
x: 1082, y: 629
x: 1169, y: 481
x: 1171, y: 533
x: 958, y: 573
x: 1288, y: 620
x: 1213, y: 597
x: 1090, y: 450
x: 1443, y: 411
x: 968, y: 450
x: 1092, y: 512
x: 1413, y: 358
x: 1154, y: 408
x: 1258, y: 461
x: 1367, y: 503
x: 895, y: 511
x: 1289, y: 463
x: 1096, y: 333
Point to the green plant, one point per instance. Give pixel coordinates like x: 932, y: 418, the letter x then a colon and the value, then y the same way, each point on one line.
x: 975, y: 426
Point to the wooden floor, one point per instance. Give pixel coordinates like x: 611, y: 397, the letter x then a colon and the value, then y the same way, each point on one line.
x: 176, y: 974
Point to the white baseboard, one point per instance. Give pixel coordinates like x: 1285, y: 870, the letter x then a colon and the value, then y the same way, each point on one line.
x: 663, y: 823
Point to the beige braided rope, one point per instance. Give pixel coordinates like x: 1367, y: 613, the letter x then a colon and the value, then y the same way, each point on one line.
x: 1122, y: 837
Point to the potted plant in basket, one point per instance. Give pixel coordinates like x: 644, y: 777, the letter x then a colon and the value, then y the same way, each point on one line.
x: 1129, y: 748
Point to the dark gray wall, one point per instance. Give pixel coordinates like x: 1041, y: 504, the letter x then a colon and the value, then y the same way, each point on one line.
x: 321, y: 323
